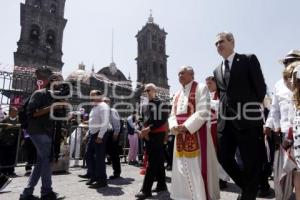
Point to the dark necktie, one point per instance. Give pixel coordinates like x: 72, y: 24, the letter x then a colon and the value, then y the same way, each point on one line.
x: 227, y: 72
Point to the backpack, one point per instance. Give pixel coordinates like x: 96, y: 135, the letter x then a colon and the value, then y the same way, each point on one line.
x: 23, y: 117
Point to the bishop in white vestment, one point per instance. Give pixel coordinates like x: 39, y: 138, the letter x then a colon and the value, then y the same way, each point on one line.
x: 195, y: 166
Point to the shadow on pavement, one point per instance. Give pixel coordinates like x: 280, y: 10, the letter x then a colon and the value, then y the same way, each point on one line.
x: 110, y: 191
x: 4, y: 191
x: 121, y: 181
x: 58, y: 173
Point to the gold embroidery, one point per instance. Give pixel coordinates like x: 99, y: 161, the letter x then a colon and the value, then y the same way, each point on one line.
x: 187, y: 145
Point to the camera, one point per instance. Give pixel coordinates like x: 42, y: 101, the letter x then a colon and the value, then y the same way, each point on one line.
x: 61, y: 90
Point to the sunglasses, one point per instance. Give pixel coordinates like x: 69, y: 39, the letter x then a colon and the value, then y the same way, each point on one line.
x: 147, y: 90
x: 296, y: 147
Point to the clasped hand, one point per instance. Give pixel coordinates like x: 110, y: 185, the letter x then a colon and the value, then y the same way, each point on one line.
x: 144, y: 134
x: 180, y: 129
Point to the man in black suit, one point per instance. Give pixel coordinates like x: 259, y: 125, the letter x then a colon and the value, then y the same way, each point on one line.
x: 241, y: 89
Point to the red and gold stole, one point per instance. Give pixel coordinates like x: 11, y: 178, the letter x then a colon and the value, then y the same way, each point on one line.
x: 187, y: 145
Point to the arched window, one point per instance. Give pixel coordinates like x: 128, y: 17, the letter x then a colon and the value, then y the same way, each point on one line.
x: 37, y: 4
x: 50, y: 39
x: 52, y: 9
x: 34, y: 34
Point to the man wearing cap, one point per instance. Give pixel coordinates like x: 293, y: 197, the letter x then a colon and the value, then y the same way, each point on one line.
x: 40, y: 129
x: 278, y: 117
x: 241, y: 89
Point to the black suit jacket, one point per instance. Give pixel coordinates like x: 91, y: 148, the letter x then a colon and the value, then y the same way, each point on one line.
x: 241, y: 98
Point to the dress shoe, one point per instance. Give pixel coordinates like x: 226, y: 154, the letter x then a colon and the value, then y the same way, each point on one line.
x: 114, y: 177
x: 160, y: 189
x: 29, y: 197
x: 223, y: 184
x: 141, y: 195
x: 264, y: 192
x: 90, y: 182
x: 84, y: 176
x: 98, y: 184
x: 52, y: 196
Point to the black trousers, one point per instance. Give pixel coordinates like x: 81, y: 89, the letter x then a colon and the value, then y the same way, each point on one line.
x: 155, y: 169
x: 170, y: 150
x: 113, y: 150
x: 96, y: 158
x: 251, y: 145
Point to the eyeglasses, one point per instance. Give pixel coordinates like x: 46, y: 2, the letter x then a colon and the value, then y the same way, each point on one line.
x: 147, y: 90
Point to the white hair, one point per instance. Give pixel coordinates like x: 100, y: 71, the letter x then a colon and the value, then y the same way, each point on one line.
x: 187, y: 68
x: 151, y: 85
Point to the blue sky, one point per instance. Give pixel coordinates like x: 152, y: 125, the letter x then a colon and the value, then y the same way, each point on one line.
x: 268, y: 28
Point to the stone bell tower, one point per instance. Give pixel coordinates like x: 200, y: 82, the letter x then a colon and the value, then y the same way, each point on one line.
x: 152, y: 58
x: 42, y: 27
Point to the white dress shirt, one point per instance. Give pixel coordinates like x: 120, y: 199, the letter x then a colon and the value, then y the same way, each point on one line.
x: 230, y: 61
x: 214, y: 103
x: 281, y: 103
x: 99, y: 119
x: 114, y: 121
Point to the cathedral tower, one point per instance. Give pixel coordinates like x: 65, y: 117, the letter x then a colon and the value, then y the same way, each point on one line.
x: 42, y: 26
x: 152, y: 58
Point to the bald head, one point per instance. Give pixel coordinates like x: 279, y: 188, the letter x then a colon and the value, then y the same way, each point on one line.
x: 150, y: 90
x: 151, y: 86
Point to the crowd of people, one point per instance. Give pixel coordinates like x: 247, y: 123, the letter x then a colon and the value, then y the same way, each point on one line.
x: 214, y: 132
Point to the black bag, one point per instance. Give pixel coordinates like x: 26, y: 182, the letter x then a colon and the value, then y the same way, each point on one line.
x: 9, y: 136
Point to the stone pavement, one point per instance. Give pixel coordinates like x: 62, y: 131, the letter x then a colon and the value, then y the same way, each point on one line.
x: 74, y: 188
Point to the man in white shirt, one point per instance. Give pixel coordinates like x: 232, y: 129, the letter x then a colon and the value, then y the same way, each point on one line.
x: 98, y: 125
